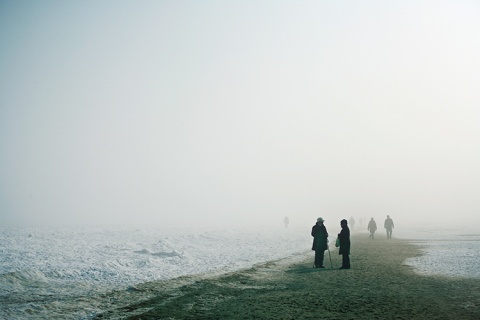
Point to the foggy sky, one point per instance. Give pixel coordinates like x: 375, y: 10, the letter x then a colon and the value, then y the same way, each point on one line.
x: 237, y: 112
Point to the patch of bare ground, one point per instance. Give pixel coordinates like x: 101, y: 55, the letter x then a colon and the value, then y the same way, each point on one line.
x: 379, y: 286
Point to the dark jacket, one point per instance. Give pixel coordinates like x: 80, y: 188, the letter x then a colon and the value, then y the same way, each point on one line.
x: 320, y: 236
x: 344, y: 237
x: 388, y: 223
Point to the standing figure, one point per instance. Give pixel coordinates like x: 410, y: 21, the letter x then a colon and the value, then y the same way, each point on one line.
x: 344, y: 249
x: 352, y: 223
x: 372, y: 227
x: 286, y: 221
x: 320, y: 242
x: 389, y: 226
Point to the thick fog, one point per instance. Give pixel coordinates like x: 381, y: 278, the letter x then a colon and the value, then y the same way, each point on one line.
x: 239, y: 112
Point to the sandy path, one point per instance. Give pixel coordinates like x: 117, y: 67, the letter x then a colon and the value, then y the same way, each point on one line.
x: 378, y: 286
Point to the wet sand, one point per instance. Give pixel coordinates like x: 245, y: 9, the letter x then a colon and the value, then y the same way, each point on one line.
x: 379, y: 286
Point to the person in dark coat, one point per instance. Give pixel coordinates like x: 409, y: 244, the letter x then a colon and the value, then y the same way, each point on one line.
x: 389, y: 226
x: 372, y: 227
x: 344, y: 249
x: 320, y: 242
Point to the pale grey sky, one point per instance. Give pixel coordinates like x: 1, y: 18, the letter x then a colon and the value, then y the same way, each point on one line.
x: 173, y: 112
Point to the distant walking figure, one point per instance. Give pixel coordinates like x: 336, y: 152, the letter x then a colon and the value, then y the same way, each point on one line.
x: 320, y: 242
x: 389, y: 226
x: 344, y: 249
x: 352, y: 223
x: 286, y: 221
x: 372, y: 227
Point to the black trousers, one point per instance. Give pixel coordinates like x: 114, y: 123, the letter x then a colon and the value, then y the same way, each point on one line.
x: 345, y: 261
x: 319, y: 254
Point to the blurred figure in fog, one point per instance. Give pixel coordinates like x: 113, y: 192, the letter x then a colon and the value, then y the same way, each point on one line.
x: 352, y: 223
x: 389, y: 226
x: 344, y: 249
x: 320, y: 242
x: 372, y: 227
x: 286, y: 221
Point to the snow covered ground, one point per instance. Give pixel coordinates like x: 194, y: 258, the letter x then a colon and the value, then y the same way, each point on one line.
x: 45, y: 271
x: 43, y: 268
x: 448, y: 251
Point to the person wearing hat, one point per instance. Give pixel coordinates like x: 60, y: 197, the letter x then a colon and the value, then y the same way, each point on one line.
x: 320, y: 242
x: 344, y: 250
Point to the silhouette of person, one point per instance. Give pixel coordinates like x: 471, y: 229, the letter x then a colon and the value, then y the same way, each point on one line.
x: 320, y: 242
x: 344, y: 249
x: 372, y: 227
x: 351, y: 221
x: 286, y: 221
x: 389, y: 226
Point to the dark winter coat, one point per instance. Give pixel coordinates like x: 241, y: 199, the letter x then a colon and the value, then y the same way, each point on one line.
x: 388, y: 223
x: 344, y: 237
x: 320, y: 237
